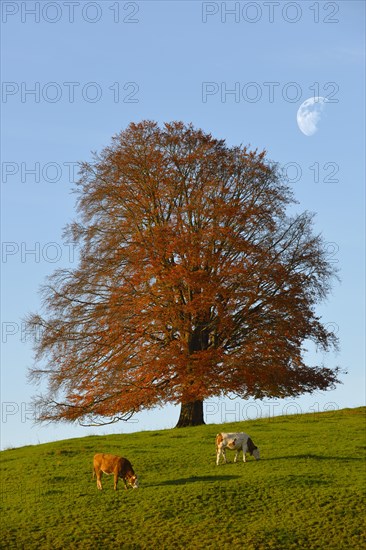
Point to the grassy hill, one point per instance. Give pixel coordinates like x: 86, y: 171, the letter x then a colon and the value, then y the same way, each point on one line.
x: 305, y: 493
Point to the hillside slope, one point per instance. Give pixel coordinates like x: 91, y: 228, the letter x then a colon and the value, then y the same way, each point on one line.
x: 305, y: 493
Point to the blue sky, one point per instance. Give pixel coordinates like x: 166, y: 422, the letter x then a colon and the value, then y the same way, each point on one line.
x: 237, y: 69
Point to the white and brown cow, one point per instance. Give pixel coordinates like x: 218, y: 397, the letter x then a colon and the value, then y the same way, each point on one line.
x: 236, y: 442
x: 116, y: 465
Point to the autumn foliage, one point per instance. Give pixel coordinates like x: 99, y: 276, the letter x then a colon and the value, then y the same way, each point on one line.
x: 192, y: 282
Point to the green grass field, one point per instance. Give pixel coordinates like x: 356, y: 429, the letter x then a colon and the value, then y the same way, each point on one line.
x: 305, y: 493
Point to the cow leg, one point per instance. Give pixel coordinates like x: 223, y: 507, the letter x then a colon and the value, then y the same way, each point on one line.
x: 115, y: 481
x: 236, y: 455
x: 99, y: 475
x: 220, y: 452
x: 244, y: 447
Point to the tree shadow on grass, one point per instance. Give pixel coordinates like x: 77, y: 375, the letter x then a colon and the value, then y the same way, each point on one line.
x: 194, y: 479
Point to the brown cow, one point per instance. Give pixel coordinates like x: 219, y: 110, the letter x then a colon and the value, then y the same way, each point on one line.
x: 117, y: 465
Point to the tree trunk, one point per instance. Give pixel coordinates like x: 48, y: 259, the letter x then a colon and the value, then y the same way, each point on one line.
x: 191, y: 414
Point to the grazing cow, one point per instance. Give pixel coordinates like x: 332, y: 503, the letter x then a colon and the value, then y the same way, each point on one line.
x: 236, y: 442
x: 116, y: 465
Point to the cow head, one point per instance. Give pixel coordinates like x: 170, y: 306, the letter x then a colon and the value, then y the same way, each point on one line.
x: 254, y: 451
x: 132, y: 480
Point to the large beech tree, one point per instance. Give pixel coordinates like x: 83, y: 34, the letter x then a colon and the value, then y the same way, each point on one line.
x: 192, y: 282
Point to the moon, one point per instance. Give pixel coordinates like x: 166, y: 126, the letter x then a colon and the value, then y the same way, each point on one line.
x: 309, y: 114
